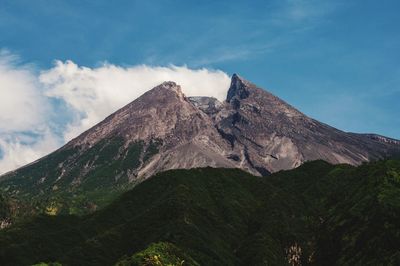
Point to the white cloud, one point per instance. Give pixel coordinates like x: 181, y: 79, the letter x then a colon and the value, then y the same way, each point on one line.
x: 27, y: 121
x: 24, y: 130
x: 16, y: 152
x: 21, y: 104
x: 94, y: 93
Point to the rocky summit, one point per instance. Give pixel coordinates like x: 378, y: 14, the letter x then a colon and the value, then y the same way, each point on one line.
x: 163, y: 129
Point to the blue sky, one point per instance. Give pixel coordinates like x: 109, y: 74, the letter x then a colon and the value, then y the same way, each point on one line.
x: 336, y: 61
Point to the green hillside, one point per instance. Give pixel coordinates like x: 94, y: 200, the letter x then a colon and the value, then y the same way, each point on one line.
x: 69, y: 181
x: 317, y: 214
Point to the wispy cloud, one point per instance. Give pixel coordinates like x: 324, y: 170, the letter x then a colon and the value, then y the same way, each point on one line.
x: 237, y: 35
x: 297, y: 12
x: 23, y: 114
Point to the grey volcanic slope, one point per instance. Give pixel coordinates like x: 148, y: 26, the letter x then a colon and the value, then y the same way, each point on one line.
x: 276, y: 136
x: 252, y: 130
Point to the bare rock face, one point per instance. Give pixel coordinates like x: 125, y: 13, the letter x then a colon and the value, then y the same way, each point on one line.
x: 208, y: 105
x: 276, y: 136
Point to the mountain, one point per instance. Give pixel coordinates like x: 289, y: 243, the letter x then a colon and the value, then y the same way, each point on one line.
x: 316, y: 214
x: 272, y: 135
x: 252, y: 130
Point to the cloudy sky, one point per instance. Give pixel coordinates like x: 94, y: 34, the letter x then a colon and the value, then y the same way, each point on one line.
x: 65, y: 65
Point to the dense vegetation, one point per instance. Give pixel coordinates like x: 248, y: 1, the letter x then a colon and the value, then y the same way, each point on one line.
x: 317, y: 214
x: 69, y: 181
x: 161, y: 253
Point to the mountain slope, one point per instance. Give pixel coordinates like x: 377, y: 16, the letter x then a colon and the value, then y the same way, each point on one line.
x: 276, y: 136
x: 252, y: 130
x: 317, y: 214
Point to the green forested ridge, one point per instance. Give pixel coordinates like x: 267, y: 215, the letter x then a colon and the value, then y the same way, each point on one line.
x: 71, y: 182
x: 161, y: 253
x: 317, y: 214
x: 4, y: 208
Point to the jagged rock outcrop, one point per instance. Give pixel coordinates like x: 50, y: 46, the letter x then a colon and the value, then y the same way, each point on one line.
x: 208, y: 105
x: 276, y: 136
